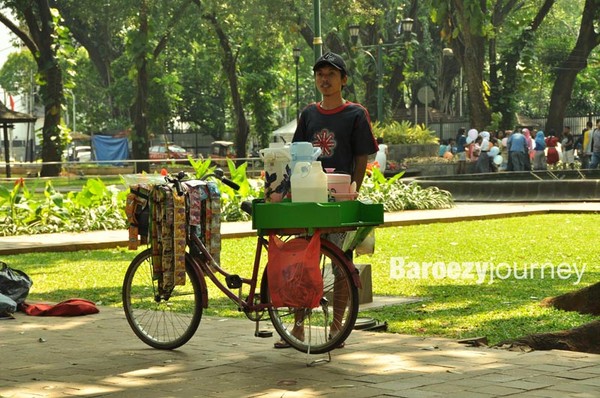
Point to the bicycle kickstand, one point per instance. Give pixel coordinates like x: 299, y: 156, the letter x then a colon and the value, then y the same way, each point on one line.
x: 262, y: 333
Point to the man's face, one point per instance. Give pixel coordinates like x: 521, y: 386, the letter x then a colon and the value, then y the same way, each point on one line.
x: 329, y: 80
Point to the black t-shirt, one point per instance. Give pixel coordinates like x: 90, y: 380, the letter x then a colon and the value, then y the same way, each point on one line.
x: 341, y: 133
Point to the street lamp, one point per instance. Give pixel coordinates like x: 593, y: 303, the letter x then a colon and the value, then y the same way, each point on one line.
x: 296, y: 52
x: 404, y: 27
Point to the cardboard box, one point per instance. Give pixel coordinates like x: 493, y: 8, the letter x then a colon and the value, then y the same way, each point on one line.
x: 365, y: 294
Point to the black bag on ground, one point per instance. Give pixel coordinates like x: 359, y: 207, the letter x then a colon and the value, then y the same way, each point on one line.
x: 14, y: 284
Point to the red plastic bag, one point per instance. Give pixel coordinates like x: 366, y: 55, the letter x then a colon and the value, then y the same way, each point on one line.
x: 71, y: 307
x: 293, y: 272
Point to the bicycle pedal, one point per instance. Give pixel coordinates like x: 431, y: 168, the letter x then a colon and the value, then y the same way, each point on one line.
x: 233, y: 281
x: 263, y: 334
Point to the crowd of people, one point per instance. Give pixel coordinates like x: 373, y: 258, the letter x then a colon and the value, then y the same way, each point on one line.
x: 523, y: 149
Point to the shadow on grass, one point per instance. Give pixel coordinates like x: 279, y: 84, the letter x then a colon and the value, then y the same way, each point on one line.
x: 501, y: 310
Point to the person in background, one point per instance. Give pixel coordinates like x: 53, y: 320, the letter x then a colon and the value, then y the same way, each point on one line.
x: 502, y: 143
x: 527, y: 133
x: 442, y: 148
x: 450, y: 149
x: 552, y: 157
x: 539, y: 156
x: 517, y: 152
x: 586, y: 145
x: 381, y: 155
x: 484, y: 162
x: 568, y: 148
x: 595, y: 145
x: 461, y: 142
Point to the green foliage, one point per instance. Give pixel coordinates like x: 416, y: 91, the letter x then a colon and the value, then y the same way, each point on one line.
x: 231, y: 200
x: 396, y: 195
x: 95, y: 207
x: 404, y: 133
x: 202, y: 167
x: 17, y: 72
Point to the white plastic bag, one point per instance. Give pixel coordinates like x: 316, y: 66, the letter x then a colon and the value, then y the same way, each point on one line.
x: 361, y: 241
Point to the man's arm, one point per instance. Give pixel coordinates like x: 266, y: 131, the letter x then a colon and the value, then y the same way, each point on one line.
x: 360, y: 166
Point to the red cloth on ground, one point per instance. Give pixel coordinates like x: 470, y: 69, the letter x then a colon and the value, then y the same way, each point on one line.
x: 71, y: 307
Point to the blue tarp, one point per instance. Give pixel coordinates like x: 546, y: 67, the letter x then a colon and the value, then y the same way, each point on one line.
x: 110, y: 148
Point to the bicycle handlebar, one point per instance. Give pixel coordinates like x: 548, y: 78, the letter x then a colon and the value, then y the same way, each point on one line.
x: 218, y: 174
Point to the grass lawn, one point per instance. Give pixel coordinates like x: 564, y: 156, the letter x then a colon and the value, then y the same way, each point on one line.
x: 436, y: 262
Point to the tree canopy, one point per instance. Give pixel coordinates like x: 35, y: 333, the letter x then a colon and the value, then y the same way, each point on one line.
x: 226, y: 69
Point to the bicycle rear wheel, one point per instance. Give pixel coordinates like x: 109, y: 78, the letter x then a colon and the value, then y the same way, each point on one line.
x: 326, y: 327
x: 164, y: 321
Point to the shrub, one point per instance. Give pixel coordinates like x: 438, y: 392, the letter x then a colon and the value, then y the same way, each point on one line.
x: 396, y: 195
x: 404, y: 133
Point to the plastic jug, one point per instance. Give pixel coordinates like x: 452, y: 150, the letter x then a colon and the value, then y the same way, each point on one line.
x: 338, y: 182
x: 303, y: 152
x: 309, y: 182
x: 276, y: 161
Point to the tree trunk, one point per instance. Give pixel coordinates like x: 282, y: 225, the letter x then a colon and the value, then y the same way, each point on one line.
x: 43, y: 34
x: 504, y: 94
x: 581, y: 339
x: 39, y: 38
x: 51, y: 93
x: 471, y: 51
x: 140, y: 120
x: 587, y: 40
x: 473, y: 66
x: 585, y: 338
x: 584, y: 301
x: 229, y: 65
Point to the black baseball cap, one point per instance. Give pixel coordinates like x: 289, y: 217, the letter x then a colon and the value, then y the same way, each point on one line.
x: 332, y: 59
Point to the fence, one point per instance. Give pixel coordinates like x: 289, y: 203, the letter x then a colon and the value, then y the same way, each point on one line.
x: 100, y: 168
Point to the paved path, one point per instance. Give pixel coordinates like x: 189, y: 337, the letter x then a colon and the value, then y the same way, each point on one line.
x: 98, y: 355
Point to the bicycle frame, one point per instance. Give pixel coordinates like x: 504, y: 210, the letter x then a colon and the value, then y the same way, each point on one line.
x: 205, y: 268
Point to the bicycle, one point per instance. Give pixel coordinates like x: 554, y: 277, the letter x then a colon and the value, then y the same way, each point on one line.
x: 168, y: 318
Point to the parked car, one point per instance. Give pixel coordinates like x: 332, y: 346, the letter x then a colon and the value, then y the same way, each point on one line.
x: 80, y: 153
x: 170, y: 151
x: 222, y: 150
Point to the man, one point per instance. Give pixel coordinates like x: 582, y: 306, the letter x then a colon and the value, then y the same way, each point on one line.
x: 586, y: 145
x: 342, y: 130
x: 518, y: 158
x: 595, y: 146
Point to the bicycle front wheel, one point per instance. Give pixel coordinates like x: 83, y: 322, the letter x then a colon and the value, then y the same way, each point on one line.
x: 163, y: 320
x: 326, y: 327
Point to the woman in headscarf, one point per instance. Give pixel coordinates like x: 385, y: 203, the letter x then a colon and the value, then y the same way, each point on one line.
x: 484, y: 162
x: 539, y: 156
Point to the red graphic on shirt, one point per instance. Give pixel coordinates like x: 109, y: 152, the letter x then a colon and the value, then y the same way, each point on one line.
x: 325, y: 140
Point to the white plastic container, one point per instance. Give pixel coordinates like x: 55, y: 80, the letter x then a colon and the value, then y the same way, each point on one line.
x: 276, y: 161
x: 309, y: 183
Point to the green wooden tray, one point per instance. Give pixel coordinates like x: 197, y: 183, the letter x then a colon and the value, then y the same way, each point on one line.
x: 290, y: 215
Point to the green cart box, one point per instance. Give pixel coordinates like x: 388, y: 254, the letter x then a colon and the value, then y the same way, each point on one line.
x: 293, y: 215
